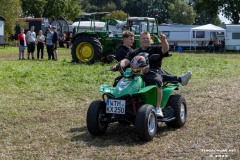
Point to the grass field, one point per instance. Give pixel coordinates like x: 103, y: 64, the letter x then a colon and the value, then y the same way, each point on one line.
x: 44, y: 103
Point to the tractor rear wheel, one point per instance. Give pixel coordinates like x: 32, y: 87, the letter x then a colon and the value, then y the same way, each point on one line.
x: 86, y: 49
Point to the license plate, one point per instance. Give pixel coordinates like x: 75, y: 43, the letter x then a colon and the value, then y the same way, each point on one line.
x: 115, y: 106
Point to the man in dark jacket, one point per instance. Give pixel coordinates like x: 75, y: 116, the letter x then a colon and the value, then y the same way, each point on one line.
x: 55, y: 41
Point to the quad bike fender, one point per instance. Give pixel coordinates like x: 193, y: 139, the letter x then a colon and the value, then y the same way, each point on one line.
x: 167, y: 91
x: 104, y: 88
x: 149, y: 93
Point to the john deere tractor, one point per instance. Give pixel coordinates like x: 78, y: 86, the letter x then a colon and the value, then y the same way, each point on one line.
x: 93, y: 40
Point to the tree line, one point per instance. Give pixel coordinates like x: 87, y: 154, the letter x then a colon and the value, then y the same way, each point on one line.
x: 166, y: 11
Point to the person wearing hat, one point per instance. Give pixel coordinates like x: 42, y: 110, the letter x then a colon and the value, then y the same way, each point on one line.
x: 31, y: 38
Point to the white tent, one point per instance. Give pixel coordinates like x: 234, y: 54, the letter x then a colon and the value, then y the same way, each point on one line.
x: 207, y: 27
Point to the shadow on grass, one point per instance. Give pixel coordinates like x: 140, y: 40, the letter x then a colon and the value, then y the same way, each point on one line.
x: 116, y: 135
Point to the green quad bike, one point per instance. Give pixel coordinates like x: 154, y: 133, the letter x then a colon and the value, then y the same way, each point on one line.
x: 131, y: 102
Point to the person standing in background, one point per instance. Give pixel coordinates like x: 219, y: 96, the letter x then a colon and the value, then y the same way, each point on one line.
x: 21, y: 44
x: 55, y: 41
x: 49, y: 44
x: 40, y: 44
x: 31, y: 39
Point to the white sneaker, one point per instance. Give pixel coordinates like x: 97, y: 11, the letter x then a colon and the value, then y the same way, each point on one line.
x: 185, y: 78
x: 159, y: 112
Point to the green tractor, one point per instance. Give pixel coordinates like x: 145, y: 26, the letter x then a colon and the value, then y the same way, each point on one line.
x: 140, y: 24
x: 93, y: 40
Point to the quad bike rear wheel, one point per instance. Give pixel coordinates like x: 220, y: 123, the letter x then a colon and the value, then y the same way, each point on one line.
x: 146, y: 122
x: 86, y: 49
x: 178, y: 104
x: 95, y: 118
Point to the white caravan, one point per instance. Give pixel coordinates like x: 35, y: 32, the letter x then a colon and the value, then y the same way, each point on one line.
x: 180, y: 35
x: 177, y: 34
x: 2, y: 30
x: 232, y: 41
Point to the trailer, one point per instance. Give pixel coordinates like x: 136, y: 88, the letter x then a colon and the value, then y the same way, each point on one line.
x: 26, y: 23
x: 2, y: 42
x: 63, y: 30
x: 232, y: 41
x: 187, y: 37
x: 177, y: 35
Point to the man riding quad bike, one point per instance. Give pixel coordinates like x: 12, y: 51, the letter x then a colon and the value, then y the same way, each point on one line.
x: 133, y: 101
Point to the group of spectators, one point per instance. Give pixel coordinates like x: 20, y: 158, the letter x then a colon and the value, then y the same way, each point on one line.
x: 214, y: 45
x: 31, y: 40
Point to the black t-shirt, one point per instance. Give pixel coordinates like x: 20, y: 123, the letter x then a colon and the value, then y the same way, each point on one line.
x: 154, y: 64
x: 55, y: 37
x: 122, y: 51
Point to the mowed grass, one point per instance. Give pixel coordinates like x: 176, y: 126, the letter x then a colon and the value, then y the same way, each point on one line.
x: 44, y: 103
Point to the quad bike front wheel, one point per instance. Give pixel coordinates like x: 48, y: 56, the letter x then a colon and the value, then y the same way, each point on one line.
x: 146, y: 122
x: 178, y: 104
x: 95, y: 118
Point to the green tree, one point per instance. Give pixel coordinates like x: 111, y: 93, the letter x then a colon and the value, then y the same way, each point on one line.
x: 33, y: 8
x: 181, y: 12
x: 203, y: 18
x: 55, y: 8
x: 97, y: 5
x: 69, y: 9
x: 229, y: 8
x: 10, y: 10
x: 103, y: 5
x: 72, y: 9
x: 119, y: 15
x: 163, y: 10
x: 148, y: 8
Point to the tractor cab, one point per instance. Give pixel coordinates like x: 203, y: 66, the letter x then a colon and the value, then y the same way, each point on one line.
x: 140, y: 24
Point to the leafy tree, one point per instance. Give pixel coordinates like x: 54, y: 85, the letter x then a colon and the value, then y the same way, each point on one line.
x: 133, y: 8
x: 203, y: 18
x: 166, y: 11
x: 110, y: 6
x: 33, y: 8
x: 229, y: 8
x: 10, y: 10
x: 103, y: 5
x: 55, y: 8
x: 98, y: 5
x: 69, y: 9
x: 119, y: 15
x: 150, y: 8
x: 120, y: 4
x: 181, y: 12
x: 72, y: 9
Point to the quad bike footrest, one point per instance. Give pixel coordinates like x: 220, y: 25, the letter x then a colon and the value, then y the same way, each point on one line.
x: 165, y: 119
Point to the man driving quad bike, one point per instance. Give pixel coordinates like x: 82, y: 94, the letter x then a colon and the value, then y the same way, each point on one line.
x: 141, y: 63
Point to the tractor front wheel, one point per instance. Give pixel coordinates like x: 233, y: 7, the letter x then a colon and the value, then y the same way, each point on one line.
x: 86, y: 49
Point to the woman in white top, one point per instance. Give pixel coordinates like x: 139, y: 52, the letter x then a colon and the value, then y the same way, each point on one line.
x: 31, y: 39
